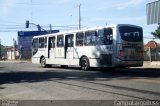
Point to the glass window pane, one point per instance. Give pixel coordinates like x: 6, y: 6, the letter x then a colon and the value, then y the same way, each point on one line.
x: 90, y: 38
x: 69, y: 40
x: 129, y: 33
x: 60, y: 42
x: 79, y: 39
x: 41, y: 42
x: 105, y: 36
x: 52, y: 42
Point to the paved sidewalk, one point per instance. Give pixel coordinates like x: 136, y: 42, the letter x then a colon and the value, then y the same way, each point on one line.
x: 15, y: 61
x: 153, y: 64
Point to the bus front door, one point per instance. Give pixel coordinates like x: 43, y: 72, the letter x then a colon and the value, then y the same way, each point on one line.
x: 69, y: 46
x: 51, y: 53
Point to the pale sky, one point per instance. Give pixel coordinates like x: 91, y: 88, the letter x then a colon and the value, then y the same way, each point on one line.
x: 64, y: 13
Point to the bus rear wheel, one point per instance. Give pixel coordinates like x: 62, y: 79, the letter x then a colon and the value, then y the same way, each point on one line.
x: 85, y: 63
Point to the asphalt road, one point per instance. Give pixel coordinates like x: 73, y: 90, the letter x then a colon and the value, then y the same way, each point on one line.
x: 26, y: 81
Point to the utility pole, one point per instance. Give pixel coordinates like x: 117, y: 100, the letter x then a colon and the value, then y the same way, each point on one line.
x: 31, y: 10
x: 79, y: 16
x: 50, y: 26
x: 14, y: 49
x: 150, y: 54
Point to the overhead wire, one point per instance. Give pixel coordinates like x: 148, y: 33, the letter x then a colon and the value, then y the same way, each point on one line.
x: 16, y: 27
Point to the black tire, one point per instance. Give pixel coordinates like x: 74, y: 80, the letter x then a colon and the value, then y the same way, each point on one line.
x: 43, y: 62
x: 85, y: 64
x: 108, y: 69
x: 64, y: 66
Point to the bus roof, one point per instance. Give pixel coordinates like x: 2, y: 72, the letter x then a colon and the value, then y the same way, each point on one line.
x: 82, y: 30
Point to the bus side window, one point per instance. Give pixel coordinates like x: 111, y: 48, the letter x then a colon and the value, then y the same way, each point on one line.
x: 94, y: 37
x: 45, y: 42
x: 79, y: 39
x: 105, y: 36
x: 108, y: 35
x: 41, y: 42
x: 90, y: 38
x: 87, y: 40
x: 70, y: 40
x: 60, y: 41
x: 100, y: 39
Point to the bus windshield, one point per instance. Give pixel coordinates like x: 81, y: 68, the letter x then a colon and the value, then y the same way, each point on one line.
x: 35, y: 46
x: 130, y: 33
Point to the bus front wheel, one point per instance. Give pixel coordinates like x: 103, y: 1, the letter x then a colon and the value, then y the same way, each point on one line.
x: 43, y: 62
x: 84, y: 63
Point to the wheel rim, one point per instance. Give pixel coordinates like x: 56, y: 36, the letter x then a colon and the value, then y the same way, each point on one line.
x: 43, y: 62
x: 84, y: 64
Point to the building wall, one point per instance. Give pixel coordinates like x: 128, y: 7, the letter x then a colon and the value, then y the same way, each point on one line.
x: 152, y: 54
x: 11, y: 55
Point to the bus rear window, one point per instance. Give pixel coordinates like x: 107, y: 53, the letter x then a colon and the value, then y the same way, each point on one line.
x: 132, y: 34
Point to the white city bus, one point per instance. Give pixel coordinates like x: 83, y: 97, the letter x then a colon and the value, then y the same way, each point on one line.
x: 118, y: 45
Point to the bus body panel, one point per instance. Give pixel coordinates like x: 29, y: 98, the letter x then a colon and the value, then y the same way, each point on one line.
x: 52, y: 53
x: 93, y: 53
x: 59, y: 53
x: 43, y: 53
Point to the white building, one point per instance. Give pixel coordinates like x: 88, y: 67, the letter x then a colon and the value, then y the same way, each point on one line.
x: 12, y: 53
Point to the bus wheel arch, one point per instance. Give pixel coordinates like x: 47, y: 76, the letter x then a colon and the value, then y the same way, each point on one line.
x: 84, y: 63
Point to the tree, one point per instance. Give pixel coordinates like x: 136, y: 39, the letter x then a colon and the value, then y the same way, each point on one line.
x: 3, y: 51
x: 156, y: 33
